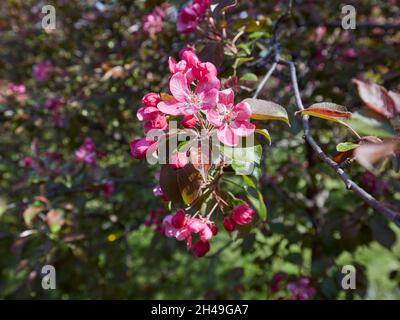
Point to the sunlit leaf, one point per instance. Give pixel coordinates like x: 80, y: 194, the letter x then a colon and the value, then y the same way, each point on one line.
x: 326, y: 110
x: 249, y: 77
x: 346, y: 146
x: 267, y: 110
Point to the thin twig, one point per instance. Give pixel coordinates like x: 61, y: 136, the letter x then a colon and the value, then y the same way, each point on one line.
x: 265, y: 79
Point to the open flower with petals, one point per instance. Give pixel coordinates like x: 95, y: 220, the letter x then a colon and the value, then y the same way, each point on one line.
x: 230, y: 120
x: 186, y: 101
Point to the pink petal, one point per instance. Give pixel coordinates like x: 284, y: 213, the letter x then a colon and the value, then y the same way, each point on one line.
x: 226, y: 97
x: 171, y: 65
x: 214, y: 118
x: 207, y: 83
x: 242, y: 110
x: 179, y: 87
x: 208, y: 98
x: 227, y: 136
x: 242, y: 128
x: 172, y: 107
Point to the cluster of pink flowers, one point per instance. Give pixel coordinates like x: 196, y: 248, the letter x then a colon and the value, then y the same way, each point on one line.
x: 182, y: 227
x: 189, y: 16
x: 196, y: 94
x: 154, y: 22
x: 86, y: 152
x: 41, y: 71
x: 197, y: 103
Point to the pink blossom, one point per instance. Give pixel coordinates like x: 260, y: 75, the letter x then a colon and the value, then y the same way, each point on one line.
x: 179, y: 219
x: 158, y: 122
x: 189, y: 17
x: 301, y: 289
x: 178, y: 160
x: 191, y: 66
x: 172, y: 232
x: 230, y: 121
x: 229, y: 224
x: 181, y: 227
x: 151, y: 99
x: 27, y: 161
x: 17, y: 88
x: 41, y: 71
x: 189, y: 121
x: 243, y: 214
x: 86, y: 152
x: 214, y: 230
x: 154, y: 22
x: 140, y: 147
x: 200, y: 248
x: 187, y: 102
x: 187, y: 20
x: 147, y: 113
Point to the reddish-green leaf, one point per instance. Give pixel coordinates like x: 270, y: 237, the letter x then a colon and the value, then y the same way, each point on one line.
x: 376, y: 98
x: 326, y: 110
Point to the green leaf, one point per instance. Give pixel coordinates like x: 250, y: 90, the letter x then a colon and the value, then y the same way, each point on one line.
x: 248, y: 181
x: 249, y: 77
x: 346, y: 146
x: 239, y: 61
x: 265, y: 133
x: 257, y: 201
x: 242, y: 168
x: 248, y: 154
x: 369, y: 124
x: 267, y: 110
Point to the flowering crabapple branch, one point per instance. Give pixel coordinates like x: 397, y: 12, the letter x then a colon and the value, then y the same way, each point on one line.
x: 350, y: 184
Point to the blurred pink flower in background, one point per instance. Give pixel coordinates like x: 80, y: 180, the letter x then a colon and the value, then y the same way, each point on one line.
x: 189, y: 16
x: 54, y: 103
x: 86, y: 152
x: 154, y: 22
x: 41, y: 71
x: 17, y: 88
x: 301, y: 289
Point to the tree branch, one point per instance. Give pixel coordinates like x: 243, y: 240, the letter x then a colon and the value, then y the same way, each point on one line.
x: 351, y: 185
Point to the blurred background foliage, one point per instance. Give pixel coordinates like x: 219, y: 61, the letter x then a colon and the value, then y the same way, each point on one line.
x: 92, y: 221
